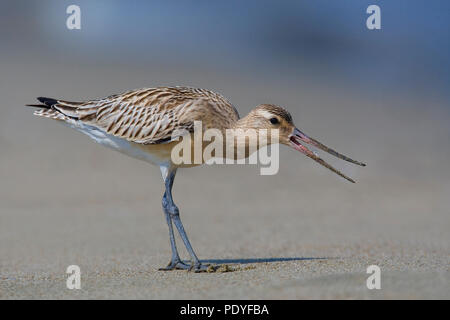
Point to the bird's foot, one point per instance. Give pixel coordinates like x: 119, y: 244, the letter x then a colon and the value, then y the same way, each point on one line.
x: 176, y: 265
x: 194, y: 267
x: 199, y: 267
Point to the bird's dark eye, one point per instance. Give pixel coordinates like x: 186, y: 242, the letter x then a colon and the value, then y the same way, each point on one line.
x: 273, y: 120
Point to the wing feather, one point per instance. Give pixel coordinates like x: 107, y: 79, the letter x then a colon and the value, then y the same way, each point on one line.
x: 149, y: 116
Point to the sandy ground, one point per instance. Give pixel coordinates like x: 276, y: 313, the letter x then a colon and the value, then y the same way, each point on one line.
x: 303, y: 233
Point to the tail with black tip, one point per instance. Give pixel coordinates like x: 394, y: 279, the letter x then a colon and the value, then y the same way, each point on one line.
x: 47, y: 109
x: 47, y: 103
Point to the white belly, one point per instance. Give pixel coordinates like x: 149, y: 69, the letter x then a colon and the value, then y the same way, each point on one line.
x: 129, y: 148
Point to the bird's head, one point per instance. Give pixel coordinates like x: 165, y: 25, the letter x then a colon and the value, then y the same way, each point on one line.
x: 270, y: 117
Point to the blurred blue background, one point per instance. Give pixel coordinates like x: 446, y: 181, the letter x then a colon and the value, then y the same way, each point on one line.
x: 323, y: 38
x: 382, y: 93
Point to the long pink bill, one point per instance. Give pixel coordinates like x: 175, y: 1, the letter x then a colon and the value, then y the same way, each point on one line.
x: 297, y: 137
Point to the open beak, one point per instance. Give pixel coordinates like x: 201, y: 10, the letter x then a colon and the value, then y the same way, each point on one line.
x: 297, y: 137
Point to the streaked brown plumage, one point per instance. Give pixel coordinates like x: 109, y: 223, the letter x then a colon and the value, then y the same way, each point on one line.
x: 151, y: 116
x: 145, y: 123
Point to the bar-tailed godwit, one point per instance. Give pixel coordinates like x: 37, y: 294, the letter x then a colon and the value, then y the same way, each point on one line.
x: 144, y: 124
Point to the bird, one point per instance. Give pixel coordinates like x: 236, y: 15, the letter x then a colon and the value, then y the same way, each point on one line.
x: 148, y: 123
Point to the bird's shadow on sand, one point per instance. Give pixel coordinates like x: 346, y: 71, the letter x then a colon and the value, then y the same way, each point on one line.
x: 261, y: 260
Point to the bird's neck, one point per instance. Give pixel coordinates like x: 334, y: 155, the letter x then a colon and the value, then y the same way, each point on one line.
x: 247, y: 136
x: 242, y: 123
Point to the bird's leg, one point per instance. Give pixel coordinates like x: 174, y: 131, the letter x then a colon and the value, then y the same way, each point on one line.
x: 195, y: 264
x: 174, y: 214
x: 175, y: 262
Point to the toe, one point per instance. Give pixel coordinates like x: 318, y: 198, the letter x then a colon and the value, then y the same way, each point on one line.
x: 175, y: 265
x: 201, y: 268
